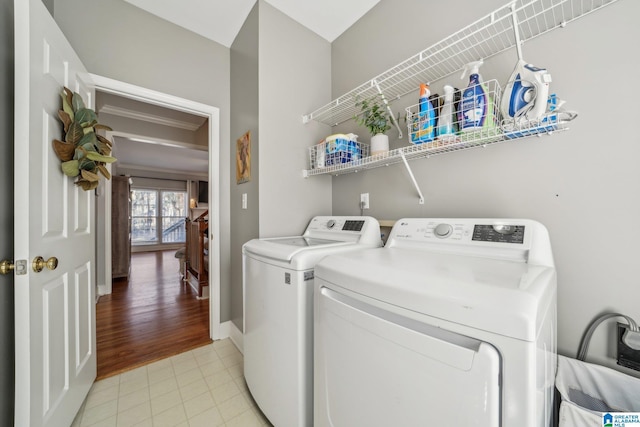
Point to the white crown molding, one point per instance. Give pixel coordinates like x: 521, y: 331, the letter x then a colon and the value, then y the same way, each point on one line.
x: 133, y: 167
x: 155, y: 141
x: 150, y: 118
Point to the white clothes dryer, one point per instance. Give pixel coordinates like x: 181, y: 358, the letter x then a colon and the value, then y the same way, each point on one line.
x: 452, y: 323
x: 278, y: 277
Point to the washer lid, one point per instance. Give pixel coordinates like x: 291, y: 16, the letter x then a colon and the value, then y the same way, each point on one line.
x: 301, y: 241
x: 324, y: 235
x: 499, y: 296
x: 286, y: 248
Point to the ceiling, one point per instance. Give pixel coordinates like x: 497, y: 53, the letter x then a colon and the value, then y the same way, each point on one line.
x: 221, y: 20
x: 154, y: 138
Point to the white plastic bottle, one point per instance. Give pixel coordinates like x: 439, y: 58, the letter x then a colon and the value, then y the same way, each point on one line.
x: 445, y: 130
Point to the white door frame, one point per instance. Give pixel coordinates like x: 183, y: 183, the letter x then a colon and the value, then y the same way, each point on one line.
x: 116, y: 87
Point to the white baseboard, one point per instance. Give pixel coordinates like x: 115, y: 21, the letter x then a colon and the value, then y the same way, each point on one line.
x: 236, y: 336
x: 102, y: 290
x: 223, y: 332
x: 229, y: 330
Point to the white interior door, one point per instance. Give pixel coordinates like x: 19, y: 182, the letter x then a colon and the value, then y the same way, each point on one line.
x: 55, y: 309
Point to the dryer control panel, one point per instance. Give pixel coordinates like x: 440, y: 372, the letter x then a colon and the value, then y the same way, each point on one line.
x: 517, y: 239
x: 499, y: 233
x: 458, y: 230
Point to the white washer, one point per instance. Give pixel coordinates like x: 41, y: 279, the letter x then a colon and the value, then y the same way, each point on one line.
x: 452, y: 323
x: 278, y: 312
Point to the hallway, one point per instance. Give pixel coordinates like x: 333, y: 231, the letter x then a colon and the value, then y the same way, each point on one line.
x: 150, y: 316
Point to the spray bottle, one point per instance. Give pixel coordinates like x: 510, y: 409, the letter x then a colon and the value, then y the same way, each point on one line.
x: 445, y: 130
x: 424, y: 128
x: 476, y: 107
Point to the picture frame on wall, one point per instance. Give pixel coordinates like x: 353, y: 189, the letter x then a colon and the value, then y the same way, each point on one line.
x: 243, y: 158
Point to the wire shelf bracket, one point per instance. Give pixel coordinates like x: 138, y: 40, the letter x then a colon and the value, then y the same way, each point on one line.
x: 413, y: 178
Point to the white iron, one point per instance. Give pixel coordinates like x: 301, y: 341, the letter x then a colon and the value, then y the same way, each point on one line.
x: 526, y: 93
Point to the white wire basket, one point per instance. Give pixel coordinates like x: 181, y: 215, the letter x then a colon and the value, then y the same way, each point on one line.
x: 431, y: 134
x: 337, y: 152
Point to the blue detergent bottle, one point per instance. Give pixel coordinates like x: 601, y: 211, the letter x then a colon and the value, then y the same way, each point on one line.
x: 424, y: 126
x: 473, y: 110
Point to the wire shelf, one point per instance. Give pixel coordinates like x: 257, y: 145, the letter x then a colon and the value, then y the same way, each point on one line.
x: 546, y: 125
x: 494, y: 130
x: 488, y: 36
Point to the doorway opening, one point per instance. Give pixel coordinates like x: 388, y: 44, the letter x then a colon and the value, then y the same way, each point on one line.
x: 210, y: 115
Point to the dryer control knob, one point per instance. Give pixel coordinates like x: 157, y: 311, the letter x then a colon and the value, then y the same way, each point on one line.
x: 331, y: 223
x: 504, y: 229
x: 443, y: 230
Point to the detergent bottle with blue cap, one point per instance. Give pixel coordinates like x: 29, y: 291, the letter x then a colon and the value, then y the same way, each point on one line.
x: 423, y: 129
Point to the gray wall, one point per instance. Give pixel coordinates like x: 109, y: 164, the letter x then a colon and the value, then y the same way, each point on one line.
x: 294, y: 79
x: 583, y: 184
x: 244, y: 117
x: 49, y: 5
x: 6, y: 212
x: 279, y: 70
x: 120, y: 41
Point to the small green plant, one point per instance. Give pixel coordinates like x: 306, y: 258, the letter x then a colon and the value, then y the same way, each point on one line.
x: 373, y: 115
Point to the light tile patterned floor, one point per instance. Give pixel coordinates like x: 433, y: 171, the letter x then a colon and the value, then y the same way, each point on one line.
x: 204, y: 387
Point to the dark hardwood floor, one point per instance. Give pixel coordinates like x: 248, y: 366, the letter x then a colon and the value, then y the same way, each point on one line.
x: 151, y: 316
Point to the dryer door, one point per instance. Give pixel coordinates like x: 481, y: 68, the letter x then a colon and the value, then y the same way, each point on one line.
x: 376, y: 367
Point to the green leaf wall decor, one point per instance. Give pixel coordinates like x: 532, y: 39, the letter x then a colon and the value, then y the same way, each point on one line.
x: 83, y: 153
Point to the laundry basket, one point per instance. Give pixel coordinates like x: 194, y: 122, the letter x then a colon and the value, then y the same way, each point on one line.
x: 590, y: 391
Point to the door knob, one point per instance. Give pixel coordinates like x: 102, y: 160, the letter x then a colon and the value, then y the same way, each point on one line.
x: 39, y: 263
x: 6, y: 266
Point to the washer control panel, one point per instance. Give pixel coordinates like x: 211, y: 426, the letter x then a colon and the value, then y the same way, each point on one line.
x: 363, y: 229
x: 337, y: 224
